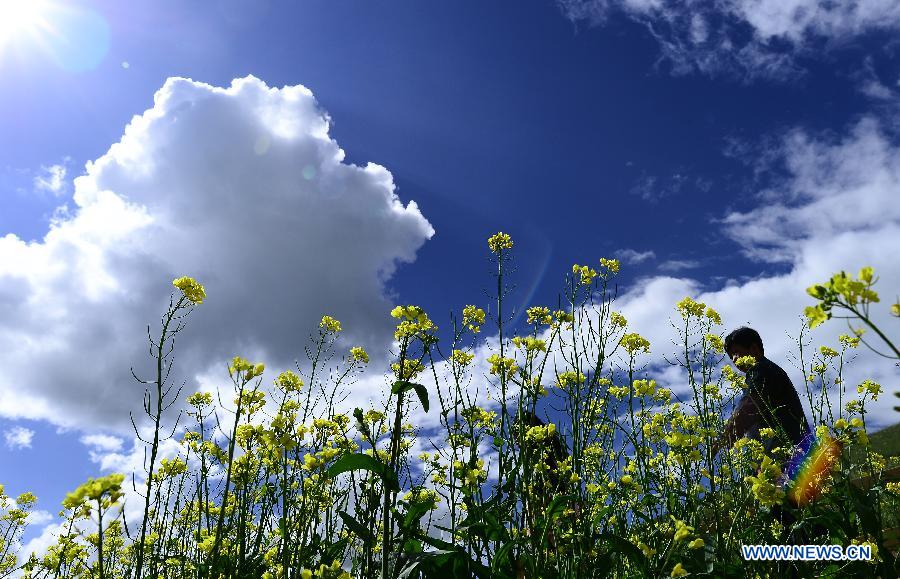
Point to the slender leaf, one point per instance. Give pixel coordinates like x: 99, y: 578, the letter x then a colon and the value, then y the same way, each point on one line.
x: 360, y: 461
x: 401, y: 386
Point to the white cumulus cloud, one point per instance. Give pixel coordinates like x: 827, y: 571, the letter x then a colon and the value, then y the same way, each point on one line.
x: 240, y: 187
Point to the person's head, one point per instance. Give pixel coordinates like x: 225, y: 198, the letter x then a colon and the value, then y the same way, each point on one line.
x: 743, y: 341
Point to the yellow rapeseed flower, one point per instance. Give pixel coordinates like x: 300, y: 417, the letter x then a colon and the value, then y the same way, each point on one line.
x: 688, y: 307
x: 871, y: 387
x: 610, y: 264
x: 828, y: 352
x: 473, y: 318
x: 192, y: 290
x: 461, y: 358
x: 713, y: 316
x: 634, y: 342
x: 587, y: 274
x: 816, y: 315
x: 539, y: 315
x: 678, y: 571
x: 289, y: 382
x: 715, y: 340
x: 745, y: 362
x: 499, y: 241
x: 357, y: 354
x: 330, y: 325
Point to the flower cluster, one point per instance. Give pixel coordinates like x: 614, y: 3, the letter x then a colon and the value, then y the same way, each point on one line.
x: 499, y: 241
x: 192, y: 290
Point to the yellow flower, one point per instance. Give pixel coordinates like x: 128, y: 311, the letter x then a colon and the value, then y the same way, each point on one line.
x: 289, y: 382
x: 633, y: 342
x: 855, y: 422
x: 95, y: 489
x: 678, y: 571
x: 461, y: 358
x: 499, y: 241
x: 498, y: 364
x: 627, y: 480
x: 192, y: 290
x: 330, y: 324
x: 199, y: 399
x: 715, y: 340
x: 357, y: 354
x: 618, y: 319
x: 689, y: 307
x: 816, y: 315
x: 539, y: 315
x: 713, y: 316
x: 644, y: 387
x: 696, y: 543
x: 840, y: 424
x: 895, y: 309
x: 610, y: 264
x: 568, y: 378
x: 865, y: 274
x: 827, y: 352
x: 764, y: 486
x: 587, y: 274
x: 411, y: 369
x: 682, y: 530
x: 745, y: 362
x: 473, y: 318
x: 871, y: 387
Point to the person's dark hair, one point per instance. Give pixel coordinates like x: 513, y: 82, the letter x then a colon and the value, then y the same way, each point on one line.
x: 745, y: 337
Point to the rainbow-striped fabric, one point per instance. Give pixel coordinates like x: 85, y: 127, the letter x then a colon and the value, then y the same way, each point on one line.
x: 809, y: 468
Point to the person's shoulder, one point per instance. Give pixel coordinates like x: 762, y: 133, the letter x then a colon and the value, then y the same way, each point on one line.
x: 769, y: 366
x: 769, y: 371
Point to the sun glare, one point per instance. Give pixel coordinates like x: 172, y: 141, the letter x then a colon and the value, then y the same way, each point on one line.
x: 74, y: 38
x: 20, y: 18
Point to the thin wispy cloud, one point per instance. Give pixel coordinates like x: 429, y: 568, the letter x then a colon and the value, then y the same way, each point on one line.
x: 743, y: 38
x: 52, y: 180
x: 18, y: 437
x: 632, y: 256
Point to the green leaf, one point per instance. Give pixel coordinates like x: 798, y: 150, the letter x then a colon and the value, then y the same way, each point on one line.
x: 359, y: 461
x: 448, y: 561
x: 358, y: 528
x: 401, y: 386
x: 623, y: 547
x: 553, y: 510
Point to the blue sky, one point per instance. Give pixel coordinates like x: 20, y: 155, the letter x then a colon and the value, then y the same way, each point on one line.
x: 735, y: 152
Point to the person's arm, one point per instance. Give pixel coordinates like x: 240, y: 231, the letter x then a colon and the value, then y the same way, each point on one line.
x: 744, y: 416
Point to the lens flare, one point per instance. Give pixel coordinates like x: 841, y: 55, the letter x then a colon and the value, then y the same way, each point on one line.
x: 74, y: 38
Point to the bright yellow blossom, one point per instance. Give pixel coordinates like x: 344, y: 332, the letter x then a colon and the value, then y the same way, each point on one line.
x: 192, y: 290
x: 500, y: 241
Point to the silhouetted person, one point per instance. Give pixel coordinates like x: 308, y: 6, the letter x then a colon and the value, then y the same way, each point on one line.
x: 769, y: 401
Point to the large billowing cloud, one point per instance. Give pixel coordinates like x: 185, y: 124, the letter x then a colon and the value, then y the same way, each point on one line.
x: 744, y: 37
x: 241, y: 188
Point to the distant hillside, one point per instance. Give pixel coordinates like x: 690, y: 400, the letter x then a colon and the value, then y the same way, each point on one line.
x: 886, y: 441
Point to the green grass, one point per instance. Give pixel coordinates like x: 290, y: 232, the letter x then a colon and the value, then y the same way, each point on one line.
x: 886, y: 441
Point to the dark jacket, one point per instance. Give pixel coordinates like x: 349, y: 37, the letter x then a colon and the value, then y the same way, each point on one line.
x: 777, y: 404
